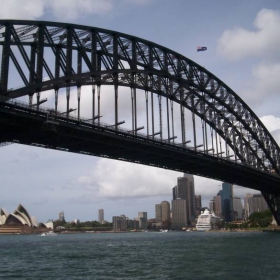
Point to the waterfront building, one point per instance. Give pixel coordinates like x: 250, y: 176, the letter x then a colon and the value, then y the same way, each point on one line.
x: 133, y: 224
x: 212, y: 205
x: 237, y: 209
x: 20, y: 217
x: 254, y: 203
x: 227, y: 201
x: 61, y: 216
x: 179, y: 214
x: 143, y: 220
x: 247, y: 205
x: 120, y: 223
x: 100, y: 215
x: 185, y: 190
x: 165, y: 212
x: 197, y: 205
x: 158, y: 213
x: 218, y: 204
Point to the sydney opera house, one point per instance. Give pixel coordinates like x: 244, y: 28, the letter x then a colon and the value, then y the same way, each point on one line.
x: 18, y: 222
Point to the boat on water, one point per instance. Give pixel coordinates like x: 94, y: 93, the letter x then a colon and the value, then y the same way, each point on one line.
x: 208, y: 221
x: 48, y: 233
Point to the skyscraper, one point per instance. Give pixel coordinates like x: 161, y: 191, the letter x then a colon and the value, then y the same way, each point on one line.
x: 254, y: 203
x: 197, y: 205
x: 143, y: 220
x: 185, y: 190
x: 158, y: 213
x: 247, y: 205
x: 61, y: 216
x: 237, y: 209
x: 165, y: 213
x: 100, y: 215
x: 218, y: 204
x: 179, y: 213
x: 227, y: 202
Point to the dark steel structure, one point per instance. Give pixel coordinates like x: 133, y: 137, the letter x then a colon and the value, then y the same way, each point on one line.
x: 42, y: 56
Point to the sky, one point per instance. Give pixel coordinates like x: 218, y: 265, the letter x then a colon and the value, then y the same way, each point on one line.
x: 243, y: 42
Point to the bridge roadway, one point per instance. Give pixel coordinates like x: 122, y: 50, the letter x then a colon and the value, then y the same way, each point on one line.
x: 20, y: 123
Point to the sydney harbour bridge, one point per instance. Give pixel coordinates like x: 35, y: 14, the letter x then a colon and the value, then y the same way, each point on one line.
x: 131, y: 100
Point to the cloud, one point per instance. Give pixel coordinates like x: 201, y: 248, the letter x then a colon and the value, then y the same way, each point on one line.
x: 73, y: 9
x: 32, y: 9
x: 63, y: 9
x: 117, y: 179
x: 272, y: 123
x: 239, y: 43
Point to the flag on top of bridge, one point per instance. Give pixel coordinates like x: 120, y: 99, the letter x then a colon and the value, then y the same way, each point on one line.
x: 201, y: 49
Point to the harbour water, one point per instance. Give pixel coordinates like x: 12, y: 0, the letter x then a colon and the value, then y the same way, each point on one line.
x: 142, y: 255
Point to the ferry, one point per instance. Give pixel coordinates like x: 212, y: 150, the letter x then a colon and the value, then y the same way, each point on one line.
x: 208, y: 221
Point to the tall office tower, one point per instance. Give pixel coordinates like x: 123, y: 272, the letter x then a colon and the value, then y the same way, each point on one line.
x: 174, y: 193
x: 61, y: 216
x: 237, y: 209
x: 179, y: 214
x: 158, y: 213
x: 197, y: 205
x: 143, y: 220
x: 185, y: 190
x: 212, y: 205
x: 247, y: 205
x: 227, y: 202
x: 218, y: 204
x: 257, y: 203
x: 100, y: 215
x: 165, y: 212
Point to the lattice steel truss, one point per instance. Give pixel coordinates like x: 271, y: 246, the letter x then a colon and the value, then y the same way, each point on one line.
x: 104, y: 57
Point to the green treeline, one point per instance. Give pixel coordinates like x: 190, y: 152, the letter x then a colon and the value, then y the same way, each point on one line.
x: 256, y: 220
x: 88, y: 225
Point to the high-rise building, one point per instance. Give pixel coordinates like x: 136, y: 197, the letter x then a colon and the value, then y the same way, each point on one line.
x: 197, y: 204
x: 165, y: 213
x: 179, y: 213
x: 227, y: 202
x: 218, y: 204
x: 212, y: 206
x: 185, y: 190
x: 237, y: 209
x: 254, y: 203
x: 61, y: 216
x: 120, y: 223
x: 100, y: 215
x: 143, y: 220
x: 158, y: 213
x: 247, y: 205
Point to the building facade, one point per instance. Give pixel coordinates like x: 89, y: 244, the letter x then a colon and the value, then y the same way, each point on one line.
x: 165, y: 213
x: 254, y: 203
x: 237, y: 209
x: 179, y: 213
x: 100, y: 215
x: 143, y: 220
x: 158, y: 213
x: 185, y: 190
x: 227, y: 202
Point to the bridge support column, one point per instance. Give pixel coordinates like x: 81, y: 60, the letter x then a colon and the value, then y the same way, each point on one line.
x: 273, y: 202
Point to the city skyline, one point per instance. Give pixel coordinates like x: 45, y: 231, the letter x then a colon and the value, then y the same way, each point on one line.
x: 242, y: 41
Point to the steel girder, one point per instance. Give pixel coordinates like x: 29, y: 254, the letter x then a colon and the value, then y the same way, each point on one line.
x: 112, y: 58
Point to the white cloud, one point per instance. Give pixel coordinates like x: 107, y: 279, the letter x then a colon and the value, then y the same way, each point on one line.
x: 64, y: 10
x: 265, y: 41
x: 11, y: 9
x: 73, y: 9
x: 117, y: 179
x: 272, y: 123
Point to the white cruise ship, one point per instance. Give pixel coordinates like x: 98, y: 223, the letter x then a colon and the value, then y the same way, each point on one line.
x: 208, y: 221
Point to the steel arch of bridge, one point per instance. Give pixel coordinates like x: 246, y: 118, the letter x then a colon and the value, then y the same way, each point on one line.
x: 106, y: 57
